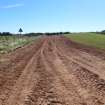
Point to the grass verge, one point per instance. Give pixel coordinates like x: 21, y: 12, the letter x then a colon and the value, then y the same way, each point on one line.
x: 90, y: 39
x: 9, y: 43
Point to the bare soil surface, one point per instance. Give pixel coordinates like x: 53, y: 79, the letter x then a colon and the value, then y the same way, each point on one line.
x: 52, y: 71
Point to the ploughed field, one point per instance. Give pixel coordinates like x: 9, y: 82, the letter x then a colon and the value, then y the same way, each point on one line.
x: 53, y: 71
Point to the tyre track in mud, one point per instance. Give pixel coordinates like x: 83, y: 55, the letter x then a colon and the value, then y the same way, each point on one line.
x: 63, y: 85
x: 90, y: 85
x: 11, y: 71
x: 55, y: 74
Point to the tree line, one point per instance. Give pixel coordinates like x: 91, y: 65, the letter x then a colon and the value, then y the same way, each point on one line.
x: 33, y: 34
x: 102, y: 32
x: 5, y: 34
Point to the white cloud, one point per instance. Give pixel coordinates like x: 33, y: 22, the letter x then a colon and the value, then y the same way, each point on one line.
x: 12, y: 6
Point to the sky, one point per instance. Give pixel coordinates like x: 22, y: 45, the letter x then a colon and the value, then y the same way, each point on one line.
x: 52, y: 15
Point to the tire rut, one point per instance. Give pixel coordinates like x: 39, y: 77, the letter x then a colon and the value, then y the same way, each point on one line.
x: 13, y: 73
x: 53, y: 73
x: 89, y: 84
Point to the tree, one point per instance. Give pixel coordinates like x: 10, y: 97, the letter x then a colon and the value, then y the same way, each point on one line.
x: 103, y: 32
x: 5, y: 34
x: 20, y: 31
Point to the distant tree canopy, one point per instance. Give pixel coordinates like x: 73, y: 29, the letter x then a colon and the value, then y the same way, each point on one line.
x: 57, y: 33
x: 47, y: 34
x: 34, y: 34
x: 101, y: 32
x: 5, y: 34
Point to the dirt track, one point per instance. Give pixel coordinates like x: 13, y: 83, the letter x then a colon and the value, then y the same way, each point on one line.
x: 52, y: 71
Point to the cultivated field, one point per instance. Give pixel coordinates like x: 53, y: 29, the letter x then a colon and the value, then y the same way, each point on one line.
x: 90, y: 39
x: 53, y: 71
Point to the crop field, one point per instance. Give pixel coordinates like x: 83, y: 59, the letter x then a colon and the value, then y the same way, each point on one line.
x: 9, y: 43
x: 90, y: 39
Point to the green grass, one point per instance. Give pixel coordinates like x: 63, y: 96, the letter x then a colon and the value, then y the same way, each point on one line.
x: 90, y: 39
x: 9, y: 43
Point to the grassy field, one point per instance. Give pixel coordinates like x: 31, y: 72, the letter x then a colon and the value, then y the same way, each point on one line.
x: 90, y: 39
x: 9, y: 43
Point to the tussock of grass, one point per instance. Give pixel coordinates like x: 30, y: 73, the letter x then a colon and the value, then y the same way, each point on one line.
x: 9, y: 43
x: 90, y: 39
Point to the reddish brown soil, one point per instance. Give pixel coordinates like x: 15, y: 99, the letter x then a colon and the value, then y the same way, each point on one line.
x: 53, y: 71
